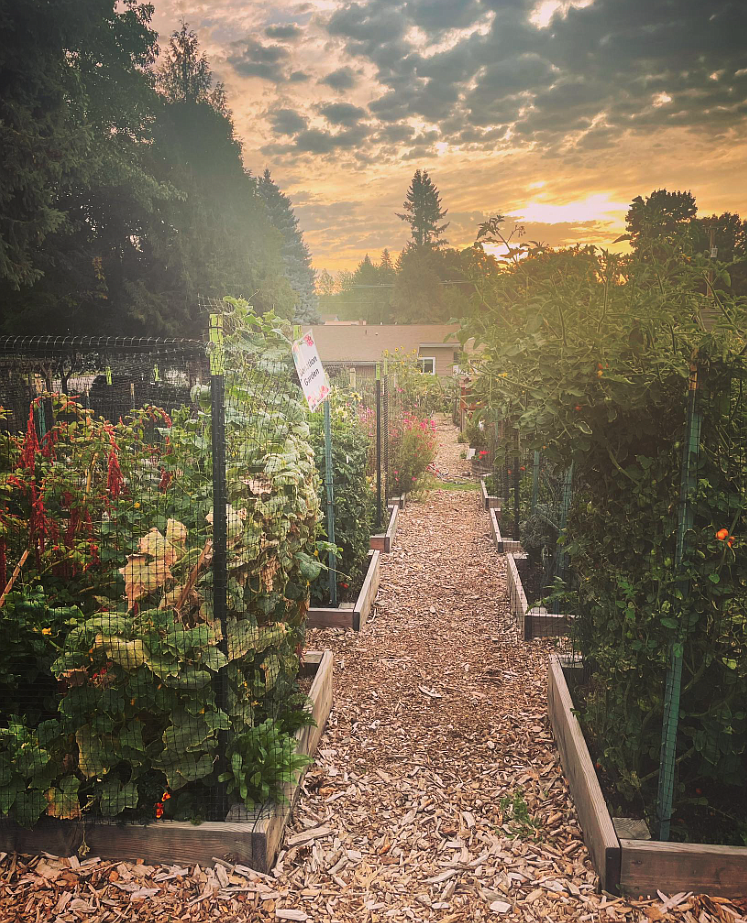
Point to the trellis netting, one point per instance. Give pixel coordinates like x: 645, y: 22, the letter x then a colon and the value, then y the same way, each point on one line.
x: 158, y: 514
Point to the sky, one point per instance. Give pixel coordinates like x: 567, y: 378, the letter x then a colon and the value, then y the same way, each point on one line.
x: 558, y: 112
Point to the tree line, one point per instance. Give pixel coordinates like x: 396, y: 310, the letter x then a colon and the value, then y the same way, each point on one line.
x: 430, y: 282
x: 124, y: 199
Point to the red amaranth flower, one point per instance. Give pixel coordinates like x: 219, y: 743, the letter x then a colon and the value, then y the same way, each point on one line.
x: 163, y: 484
x: 114, y: 479
x: 30, y: 443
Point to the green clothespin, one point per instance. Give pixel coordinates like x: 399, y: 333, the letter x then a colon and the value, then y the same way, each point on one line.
x: 296, y: 331
x: 156, y: 375
x: 108, y: 373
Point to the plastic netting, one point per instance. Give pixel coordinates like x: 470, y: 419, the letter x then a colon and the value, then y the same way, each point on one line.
x: 156, y: 531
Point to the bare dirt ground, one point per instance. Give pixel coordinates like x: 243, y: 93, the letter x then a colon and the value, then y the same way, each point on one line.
x: 437, y: 793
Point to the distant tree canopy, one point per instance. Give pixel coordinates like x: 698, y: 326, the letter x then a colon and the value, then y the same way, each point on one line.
x: 670, y: 219
x: 432, y: 283
x: 123, y: 195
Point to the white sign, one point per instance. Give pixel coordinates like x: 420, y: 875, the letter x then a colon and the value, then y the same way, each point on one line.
x: 311, y: 372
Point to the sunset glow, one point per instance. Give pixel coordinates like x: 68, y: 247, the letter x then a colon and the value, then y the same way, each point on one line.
x: 603, y: 101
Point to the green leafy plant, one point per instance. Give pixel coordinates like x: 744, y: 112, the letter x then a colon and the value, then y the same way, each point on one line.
x: 354, y: 500
x: 413, y: 449
x: 115, y: 615
x: 589, y: 355
x: 517, y: 818
x: 263, y: 760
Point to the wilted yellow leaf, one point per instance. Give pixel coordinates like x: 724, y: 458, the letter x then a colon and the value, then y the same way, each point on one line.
x: 142, y: 575
x: 158, y: 546
x: 176, y: 532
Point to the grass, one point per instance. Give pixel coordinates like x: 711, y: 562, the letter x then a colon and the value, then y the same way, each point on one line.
x: 437, y: 484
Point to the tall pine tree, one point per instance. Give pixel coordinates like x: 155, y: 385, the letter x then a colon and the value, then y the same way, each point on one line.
x: 296, y: 257
x: 423, y: 212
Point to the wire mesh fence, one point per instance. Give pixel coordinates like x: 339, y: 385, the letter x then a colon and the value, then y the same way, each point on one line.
x: 635, y: 565
x: 157, y: 527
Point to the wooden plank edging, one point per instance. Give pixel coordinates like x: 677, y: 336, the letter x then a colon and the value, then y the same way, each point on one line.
x: 368, y: 592
x: 637, y: 866
x: 490, y: 502
x: 651, y: 865
x: 504, y: 545
x: 351, y: 617
x: 384, y: 541
x: 594, y: 818
x: 253, y: 840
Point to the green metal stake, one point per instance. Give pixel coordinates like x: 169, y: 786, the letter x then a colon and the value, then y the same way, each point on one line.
x: 673, y: 687
x: 565, y: 508
x: 535, y: 481
x: 330, y: 486
x: 378, y: 448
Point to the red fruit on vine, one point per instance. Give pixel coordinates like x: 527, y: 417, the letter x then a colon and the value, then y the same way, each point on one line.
x: 722, y: 535
x: 578, y: 407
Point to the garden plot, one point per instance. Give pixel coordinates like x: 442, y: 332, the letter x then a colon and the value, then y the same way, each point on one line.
x: 637, y: 864
x: 437, y: 793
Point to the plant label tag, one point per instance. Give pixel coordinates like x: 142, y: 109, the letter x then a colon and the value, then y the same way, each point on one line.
x: 311, y: 374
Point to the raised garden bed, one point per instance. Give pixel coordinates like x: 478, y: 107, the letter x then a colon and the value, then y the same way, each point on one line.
x: 633, y: 866
x: 490, y: 502
x: 252, y: 839
x: 350, y: 615
x: 503, y: 545
x: 535, y: 621
x: 384, y: 541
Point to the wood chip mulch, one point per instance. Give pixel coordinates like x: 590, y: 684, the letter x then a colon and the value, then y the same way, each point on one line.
x: 437, y: 794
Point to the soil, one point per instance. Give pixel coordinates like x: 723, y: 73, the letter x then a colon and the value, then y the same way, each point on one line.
x: 437, y: 794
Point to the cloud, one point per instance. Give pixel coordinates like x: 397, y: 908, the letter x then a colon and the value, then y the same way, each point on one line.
x: 284, y: 32
x: 343, y: 78
x: 592, y: 97
x: 287, y: 121
x: 253, y: 59
x: 342, y: 114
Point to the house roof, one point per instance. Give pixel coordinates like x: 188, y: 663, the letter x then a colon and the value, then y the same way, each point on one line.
x: 368, y: 343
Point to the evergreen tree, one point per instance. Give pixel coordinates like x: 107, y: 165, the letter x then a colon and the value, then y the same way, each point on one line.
x: 185, y: 76
x: 423, y: 212
x: 75, y: 111
x: 296, y: 257
x: 119, y: 206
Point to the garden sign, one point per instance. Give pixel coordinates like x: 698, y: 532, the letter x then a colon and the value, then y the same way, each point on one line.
x: 311, y: 372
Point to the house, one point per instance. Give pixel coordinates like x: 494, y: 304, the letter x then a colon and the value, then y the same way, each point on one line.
x: 360, y: 347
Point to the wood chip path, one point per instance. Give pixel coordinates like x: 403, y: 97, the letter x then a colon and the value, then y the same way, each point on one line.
x: 437, y: 793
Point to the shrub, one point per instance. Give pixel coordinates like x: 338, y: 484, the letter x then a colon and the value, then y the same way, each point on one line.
x: 413, y: 449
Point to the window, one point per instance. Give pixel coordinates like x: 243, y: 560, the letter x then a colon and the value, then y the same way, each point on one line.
x: 427, y: 364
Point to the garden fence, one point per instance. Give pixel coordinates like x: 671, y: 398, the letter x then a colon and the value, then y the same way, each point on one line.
x: 156, y: 501
x: 655, y: 647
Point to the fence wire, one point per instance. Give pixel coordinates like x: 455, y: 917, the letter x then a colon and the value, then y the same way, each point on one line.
x: 153, y: 507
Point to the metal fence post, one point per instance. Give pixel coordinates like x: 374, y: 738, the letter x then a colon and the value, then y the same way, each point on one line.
x: 385, y: 421
x: 378, y: 447
x: 565, y: 508
x: 330, y: 488
x: 517, y: 492
x: 535, y: 480
x: 220, y: 536
x: 673, y: 684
